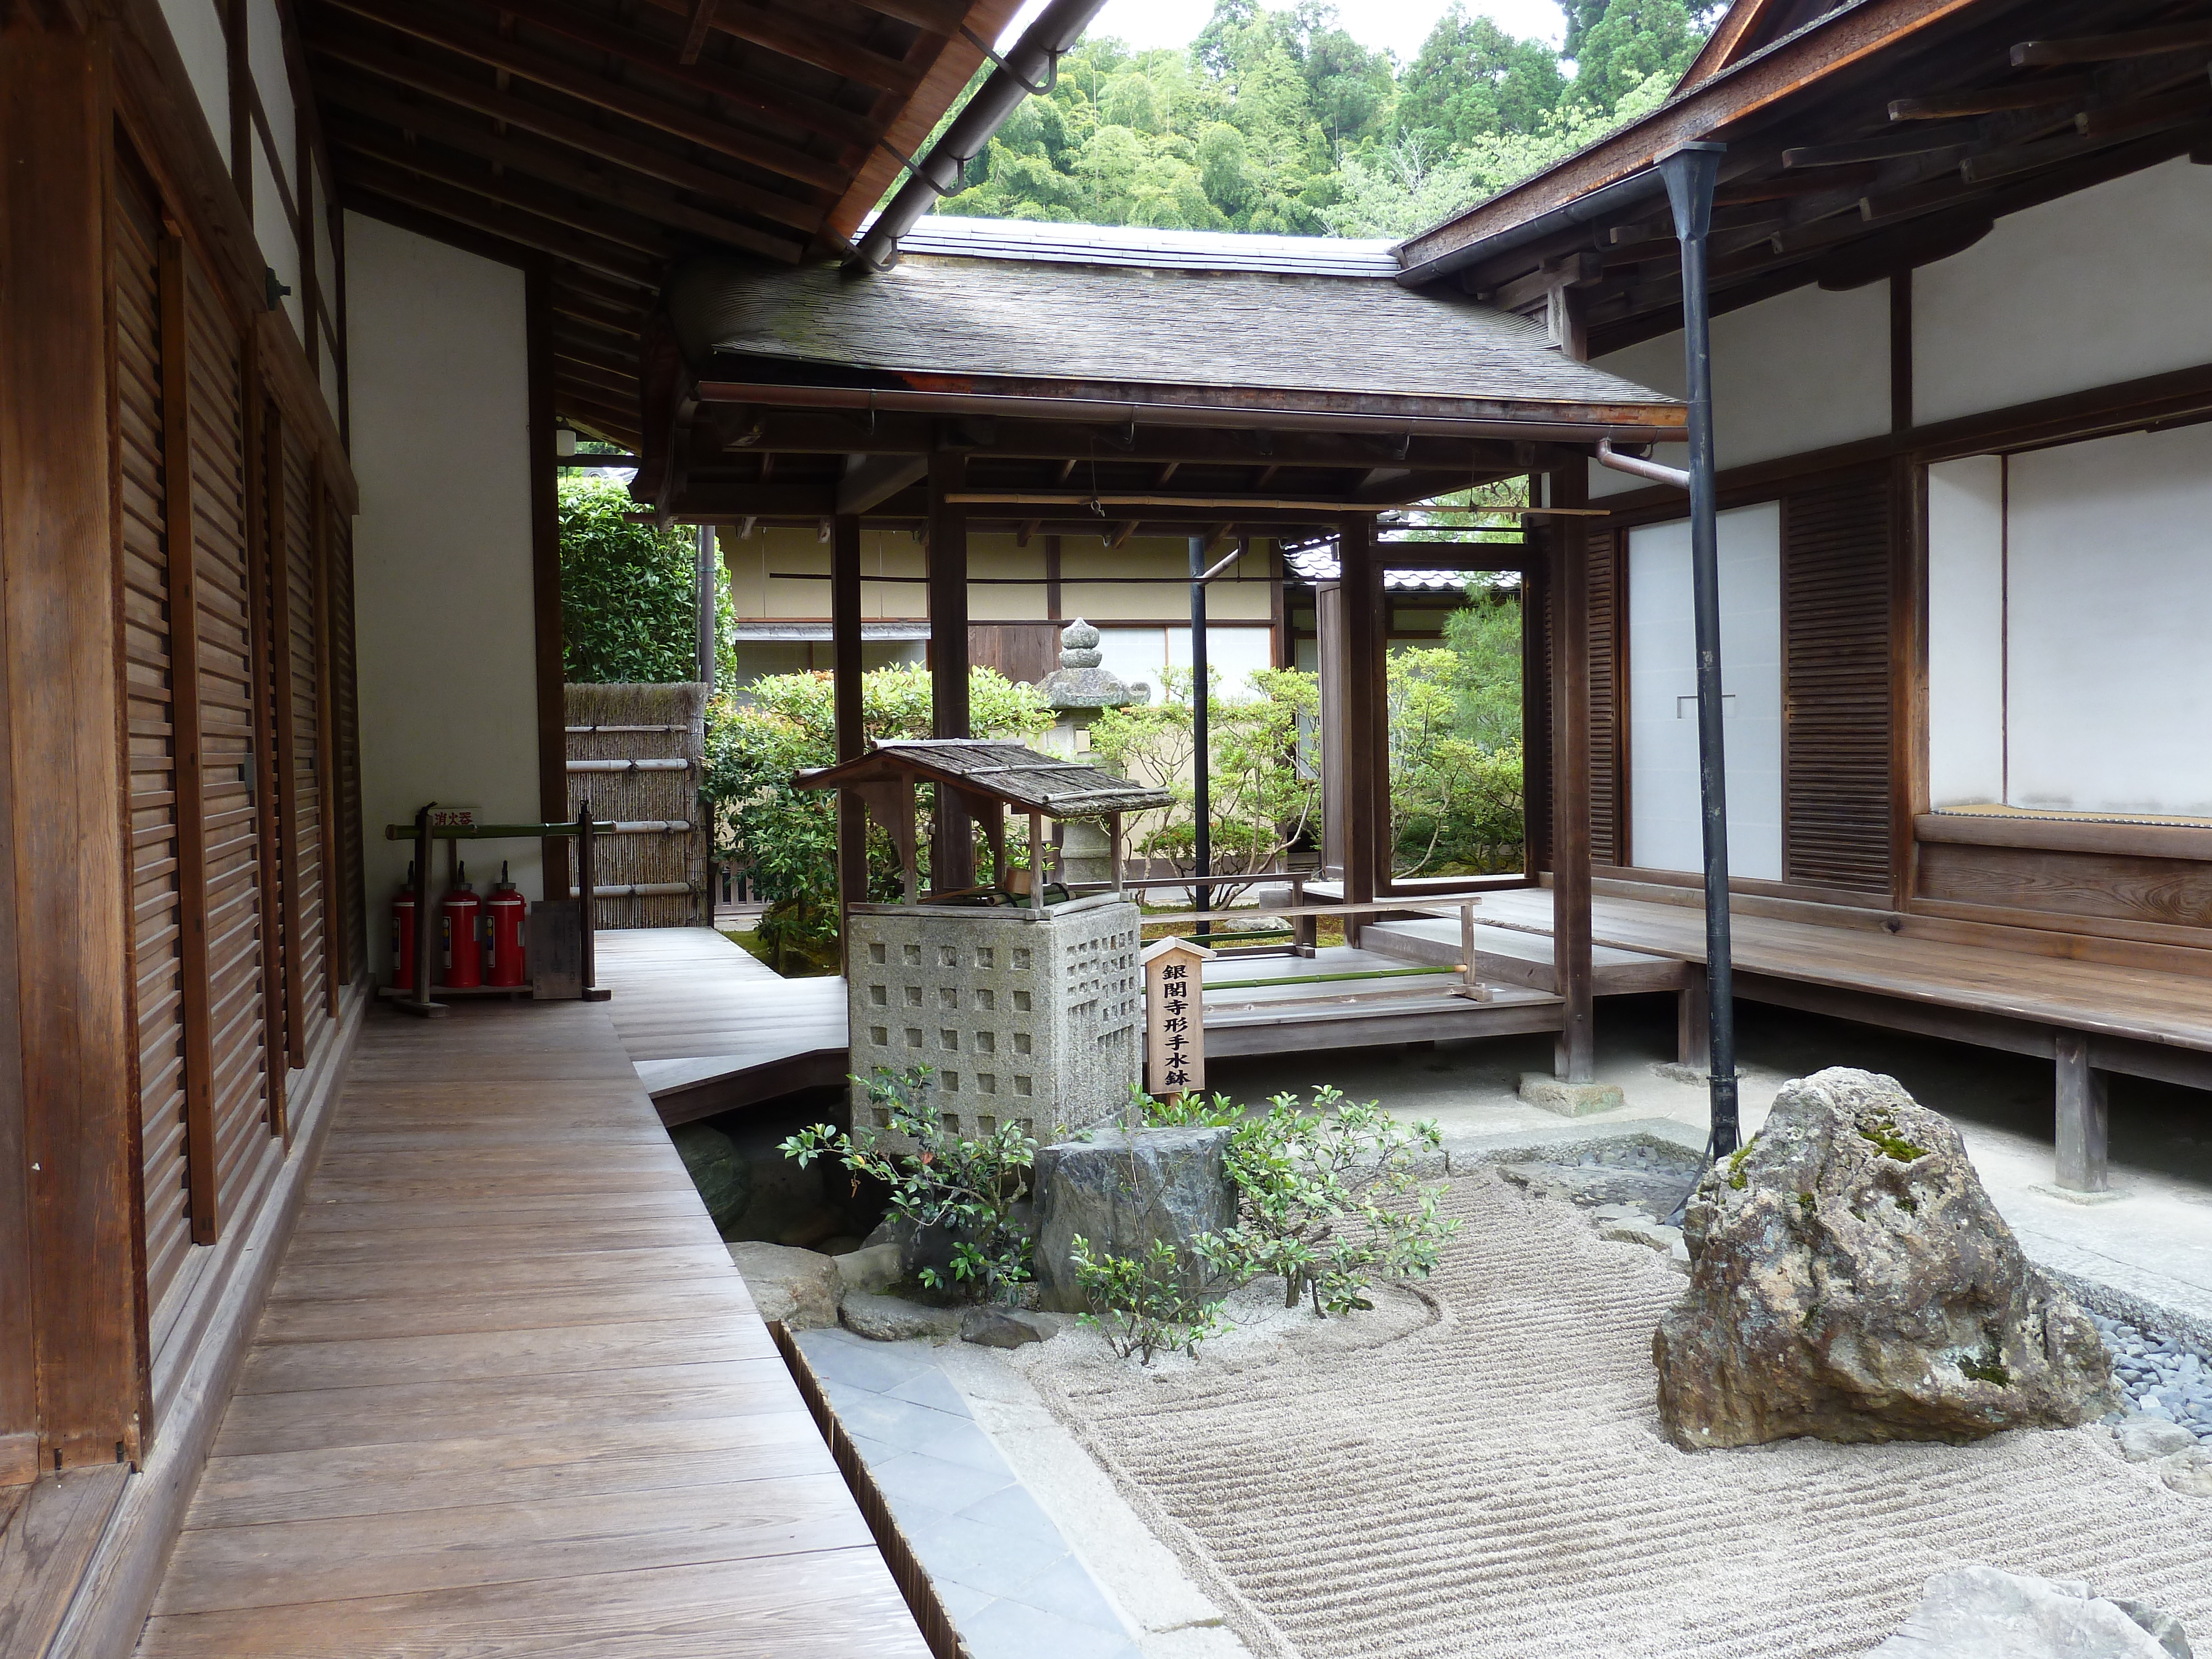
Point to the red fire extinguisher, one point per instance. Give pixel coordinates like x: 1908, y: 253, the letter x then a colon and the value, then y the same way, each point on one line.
x: 403, y: 934
x: 464, y: 948
x: 503, y: 950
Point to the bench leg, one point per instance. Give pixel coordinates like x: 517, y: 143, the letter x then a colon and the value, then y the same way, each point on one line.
x: 2082, y: 1116
x: 1693, y: 1027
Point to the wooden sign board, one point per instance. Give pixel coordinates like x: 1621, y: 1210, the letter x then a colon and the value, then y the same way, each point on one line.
x: 1175, y: 1017
x: 456, y: 818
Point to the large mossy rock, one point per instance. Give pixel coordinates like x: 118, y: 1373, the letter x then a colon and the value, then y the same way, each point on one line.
x: 1121, y: 1189
x: 1850, y: 1281
x: 721, y: 1173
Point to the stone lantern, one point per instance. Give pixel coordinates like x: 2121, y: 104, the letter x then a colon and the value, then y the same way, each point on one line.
x: 1076, y: 690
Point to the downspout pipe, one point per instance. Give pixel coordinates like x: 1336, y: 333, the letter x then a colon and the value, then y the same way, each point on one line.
x: 1691, y: 172
x: 1030, y: 68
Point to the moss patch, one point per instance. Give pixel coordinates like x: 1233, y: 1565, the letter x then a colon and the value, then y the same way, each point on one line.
x: 1737, y: 1178
x: 1884, y: 1135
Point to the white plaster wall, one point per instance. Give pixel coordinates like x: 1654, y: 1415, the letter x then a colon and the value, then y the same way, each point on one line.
x: 442, y: 549
x: 1231, y: 653
x: 280, y: 246
x: 264, y: 56
x: 196, y: 28
x: 2103, y: 286
x: 1801, y: 371
x: 1667, y: 828
x: 1966, y: 631
x: 2109, y: 558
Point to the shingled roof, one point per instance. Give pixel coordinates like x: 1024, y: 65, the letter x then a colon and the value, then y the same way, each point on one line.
x: 1011, y: 773
x: 1012, y: 324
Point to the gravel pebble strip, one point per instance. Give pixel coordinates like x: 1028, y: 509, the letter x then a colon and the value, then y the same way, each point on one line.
x: 2161, y: 1374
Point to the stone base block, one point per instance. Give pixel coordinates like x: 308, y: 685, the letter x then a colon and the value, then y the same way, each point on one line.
x: 1119, y: 1191
x: 1570, y: 1099
x: 2074, y: 1195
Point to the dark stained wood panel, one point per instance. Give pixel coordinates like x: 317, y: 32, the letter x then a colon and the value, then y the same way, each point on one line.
x: 1837, y: 686
x: 236, y: 888
x: 1607, y: 644
x: 2166, y: 892
x: 157, y: 955
x: 1023, y: 651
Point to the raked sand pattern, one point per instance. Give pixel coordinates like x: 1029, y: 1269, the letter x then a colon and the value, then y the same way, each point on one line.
x: 1487, y: 1477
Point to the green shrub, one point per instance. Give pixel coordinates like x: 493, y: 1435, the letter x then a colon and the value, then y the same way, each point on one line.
x: 1330, y: 1199
x: 966, y: 1187
x: 1145, y: 1304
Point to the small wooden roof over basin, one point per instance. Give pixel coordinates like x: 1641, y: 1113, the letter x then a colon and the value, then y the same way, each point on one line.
x: 988, y: 777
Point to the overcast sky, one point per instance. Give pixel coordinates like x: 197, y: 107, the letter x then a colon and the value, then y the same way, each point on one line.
x: 1400, y: 24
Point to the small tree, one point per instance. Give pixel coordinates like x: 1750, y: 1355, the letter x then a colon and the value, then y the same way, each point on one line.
x: 785, y: 723
x: 1265, y: 776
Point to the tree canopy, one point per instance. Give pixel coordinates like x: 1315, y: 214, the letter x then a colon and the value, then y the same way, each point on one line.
x: 1277, y: 120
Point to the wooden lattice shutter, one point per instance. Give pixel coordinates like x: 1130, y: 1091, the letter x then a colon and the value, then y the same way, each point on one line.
x: 346, y: 735
x: 1837, y: 712
x: 1604, y: 660
x: 306, y: 938
x: 229, y: 766
x: 156, y: 906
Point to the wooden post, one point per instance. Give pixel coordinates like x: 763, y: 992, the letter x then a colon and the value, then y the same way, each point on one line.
x: 1474, y: 989
x: 1328, y: 629
x: 544, y: 478
x: 952, y: 846
x: 1576, y: 1057
x: 588, y: 872
x: 1366, y: 742
x: 1693, y: 1028
x: 2082, y: 1116
x: 1039, y: 869
x: 73, y: 1356
x: 1113, y: 850
x: 844, y: 649
x: 418, y: 1001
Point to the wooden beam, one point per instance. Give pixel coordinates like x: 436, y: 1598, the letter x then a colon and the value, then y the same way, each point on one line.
x: 2108, y: 48
x: 1576, y: 1056
x: 73, y: 1358
x: 953, y: 853
x: 782, y: 105
x: 512, y: 224
x: 582, y: 136
x: 695, y: 32
x: 599, y: 183
x: 238, y: 75
x: 1883, y: 146
x: 824, y: 48
x: 550, y: 676
x: 871, y: 480
x: 1122, y: 531
x: 1990, y: 100
x: 497, y: 52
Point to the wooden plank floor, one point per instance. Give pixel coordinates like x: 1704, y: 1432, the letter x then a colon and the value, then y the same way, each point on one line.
x: 2084, y: 996
x: 509, y: 1397
x: 711, y: 1027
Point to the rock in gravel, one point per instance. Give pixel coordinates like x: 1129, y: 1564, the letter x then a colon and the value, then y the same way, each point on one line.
x: 1980, y: 1612
x: 1641, y: 1229
x: 2144, y: 1438
x: 2188, y: 1473
x: 869, y: 1269
x: 1121, y: 1189
x: 799, y: 1288
x: 721, y: 1175
x: 1850, y: 1280
x: 993, y: 1327
x: 892, y: 1319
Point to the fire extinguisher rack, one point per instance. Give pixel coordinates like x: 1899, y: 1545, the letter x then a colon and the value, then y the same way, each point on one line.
x: 416, y: 998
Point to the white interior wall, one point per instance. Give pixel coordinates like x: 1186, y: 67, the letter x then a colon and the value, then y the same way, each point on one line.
x: 272, y: 79
x: 1966, y: 631
x: 197, y: 28
x: 2109, y: 602
x: 1666, y: 824
x: 280, y: 244
x: 448, y: 667
x: 1139, y: 654
x: 2103, y: 286
x: 1800, y: 370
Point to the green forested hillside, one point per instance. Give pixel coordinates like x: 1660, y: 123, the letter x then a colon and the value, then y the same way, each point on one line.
x: 1279, y: 120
